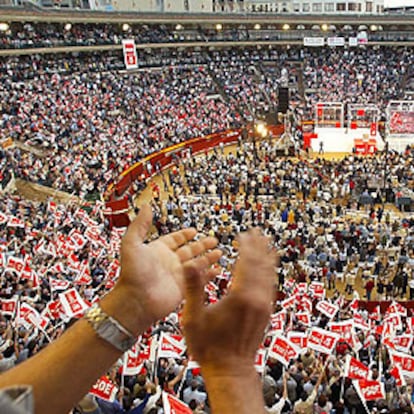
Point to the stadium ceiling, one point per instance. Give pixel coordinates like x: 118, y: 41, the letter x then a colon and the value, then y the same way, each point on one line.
x: 82, y: 16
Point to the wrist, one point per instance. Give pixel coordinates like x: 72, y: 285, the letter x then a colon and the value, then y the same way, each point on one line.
x: 121, y: 305
x: 234, y: 389
x: 229, y: 368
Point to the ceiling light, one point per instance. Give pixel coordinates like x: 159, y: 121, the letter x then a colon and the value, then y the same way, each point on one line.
x: 4, y: 27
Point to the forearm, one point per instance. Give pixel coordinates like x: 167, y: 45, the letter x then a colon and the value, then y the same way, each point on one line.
x: 240, y: 393
x: 66, y: 370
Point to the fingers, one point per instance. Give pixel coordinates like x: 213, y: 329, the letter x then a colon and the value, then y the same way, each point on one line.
x: 254, y: 271
x: 140, y: 227
x: 194, y: 289
x: 196, y: 248
x: 203, y: 263
x: 178, y: 238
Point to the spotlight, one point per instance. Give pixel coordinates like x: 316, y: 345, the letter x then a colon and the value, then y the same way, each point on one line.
x: 4, y: 27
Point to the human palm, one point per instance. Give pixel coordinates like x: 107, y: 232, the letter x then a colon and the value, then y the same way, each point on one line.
x: 154, y: 271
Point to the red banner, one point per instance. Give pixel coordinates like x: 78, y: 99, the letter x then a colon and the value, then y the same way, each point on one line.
x: 104, y: 389
x: 327, y: 308
x: 405, y: 361
x: 322, y: 340
x: 171, y: 346
x: 72, y: 302
x: 369, y: 390
x: 283, y: 350
x: 173, y: 405
x: 355, y: 369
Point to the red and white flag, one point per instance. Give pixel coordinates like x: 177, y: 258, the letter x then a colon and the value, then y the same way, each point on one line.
x: 305, y: 303
x: 54, y: 309
x: 344, y: 328
x: 396, y: 372
x: 58, y: 284
x: 84, y: 275
x: 354, y: 342
x: 260, y: 360
x: 4, y: 218
x: 410, y: 324
x: 355, y: 369
x: 27, y: 315
x: 327, y: 308
x: 360, y: 322
x: 72, y: 302
x: 317, y: 289
x: 304, y: 318
x: 369, y: 390
x: 403, y: 343
x: 376, y: 314
x: 405, y: 361
x: 283, y: 350
x: 354, y: 305
x: 172, y: 405
x: 104, y: 389
x: 289, y: 302
x: 277, y: 321
x: 396, y: 307
x: 9, y: 306
x: 77, y: 240
x: 300, y: 339
x: 300, y: 288
x: 130, y: 53
x: 394, y: 319
x: 171, y: 346
x: 15, y: 222
x: 15, y: 264
x: 322, y: 340
x: 133, y: 361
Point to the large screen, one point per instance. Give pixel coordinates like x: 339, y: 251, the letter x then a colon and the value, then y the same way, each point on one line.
x: 401, y: 123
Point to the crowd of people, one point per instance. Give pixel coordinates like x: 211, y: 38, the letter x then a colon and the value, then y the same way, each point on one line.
x: 326, y: 219
x: 309, y: 209
x: 25, y: 35
x: 152, y: 109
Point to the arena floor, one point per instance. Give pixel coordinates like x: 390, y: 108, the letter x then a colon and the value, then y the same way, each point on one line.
x: 146, y: 196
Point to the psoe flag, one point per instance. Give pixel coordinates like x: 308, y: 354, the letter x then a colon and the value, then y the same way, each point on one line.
x: 130, y: 54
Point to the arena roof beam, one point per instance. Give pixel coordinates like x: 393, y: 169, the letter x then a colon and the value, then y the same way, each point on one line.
x: 75, y: 16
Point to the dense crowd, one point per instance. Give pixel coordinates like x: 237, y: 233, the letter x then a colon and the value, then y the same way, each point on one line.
x: 25, y: 35
x: 88, y: 105
x: 309, y: 209
x: 326, y: 219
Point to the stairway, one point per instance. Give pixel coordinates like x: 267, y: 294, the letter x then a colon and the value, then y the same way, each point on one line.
x: 37, y: 192
x: 222, y: 92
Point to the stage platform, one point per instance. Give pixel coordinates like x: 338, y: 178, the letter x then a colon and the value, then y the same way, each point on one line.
x: 341, y: 139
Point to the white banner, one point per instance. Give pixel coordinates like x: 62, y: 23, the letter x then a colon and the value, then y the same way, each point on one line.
x: 353, y: 41
x: 336, y: 41
x: 314, y: 41
x: 130, y: 54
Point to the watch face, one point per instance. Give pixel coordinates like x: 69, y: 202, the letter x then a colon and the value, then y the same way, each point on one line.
x: 109, y: 330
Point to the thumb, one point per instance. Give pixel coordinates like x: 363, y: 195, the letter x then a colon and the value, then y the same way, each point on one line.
x: 139, y: 228
x: 194, y: 289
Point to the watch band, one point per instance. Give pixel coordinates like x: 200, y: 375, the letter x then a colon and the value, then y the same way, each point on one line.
x: 109, y: 328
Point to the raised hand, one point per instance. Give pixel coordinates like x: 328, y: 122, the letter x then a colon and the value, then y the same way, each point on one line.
x: 152, y: 275
x: 227, y: 334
